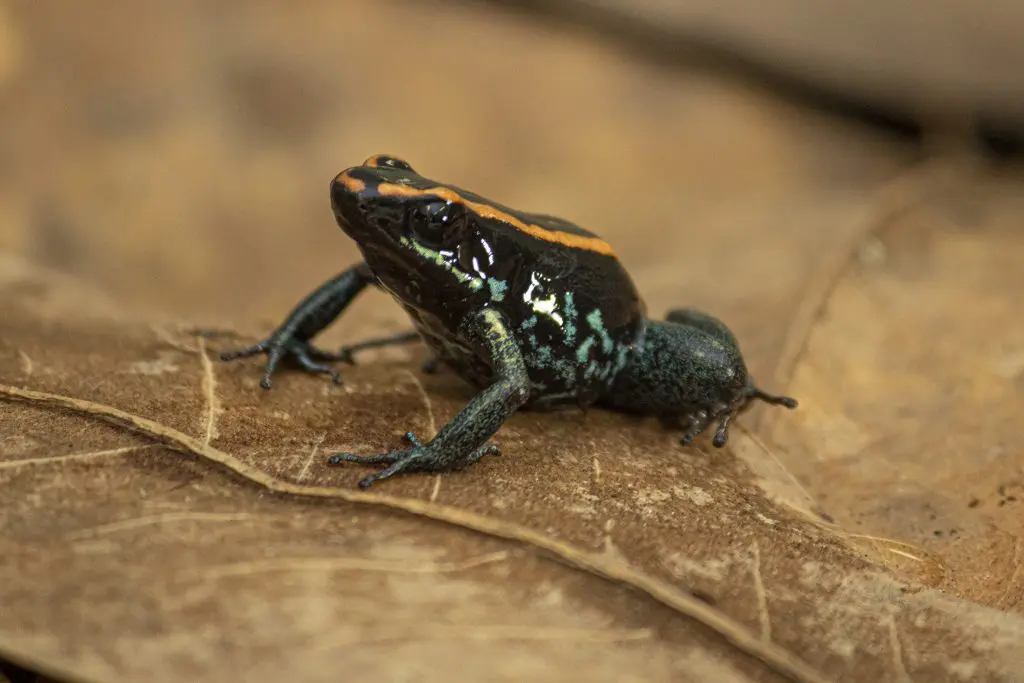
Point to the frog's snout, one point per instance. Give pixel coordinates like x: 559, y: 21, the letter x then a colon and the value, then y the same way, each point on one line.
x: 363, y: 216
x: 345, y: 192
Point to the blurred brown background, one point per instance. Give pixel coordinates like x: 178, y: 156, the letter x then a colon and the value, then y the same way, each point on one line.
x: 177, y: 154
x: 837, y: 181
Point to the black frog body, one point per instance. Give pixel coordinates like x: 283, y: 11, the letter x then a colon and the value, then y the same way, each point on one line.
x: 533, y: 310
x: 571, y: 307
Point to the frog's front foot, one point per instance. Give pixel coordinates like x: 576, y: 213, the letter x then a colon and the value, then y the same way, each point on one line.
x: 279, y: 347
x: 421, y: 457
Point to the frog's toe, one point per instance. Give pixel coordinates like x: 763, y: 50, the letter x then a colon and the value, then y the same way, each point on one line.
x: 415, y: 459
x: 687, y: 438
x: 309, y: 365
x: 420, y: 458
x: 387, y: 458
x: 247, y: 352
x: 274, y: 356
x: 722, y: 433
x: 305, y: 355
x: 412, y: 438
x: 396, y: 467
x: 698, y: 421
x: 343, y: 355
x: 489, y: 449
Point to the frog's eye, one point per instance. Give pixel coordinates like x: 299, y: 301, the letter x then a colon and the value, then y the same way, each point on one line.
x: 384, y: 161
x: 432, y: 221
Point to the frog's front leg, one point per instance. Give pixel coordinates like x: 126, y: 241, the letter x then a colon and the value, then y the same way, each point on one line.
x: 314, y: 313
x: 463, y: 441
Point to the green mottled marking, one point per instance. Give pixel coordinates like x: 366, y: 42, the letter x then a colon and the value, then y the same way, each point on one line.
x: 583, y: 352
x: 435, y: 257
x: 569, y: 307
x: 620, y: 358
x: 528, y: 324
x: 597, y: 324
x: 566, y: 370
x: 544, y: 354
x: 498, y: 288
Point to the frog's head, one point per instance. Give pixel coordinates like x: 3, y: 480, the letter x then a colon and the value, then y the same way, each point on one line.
x: 406, y: 225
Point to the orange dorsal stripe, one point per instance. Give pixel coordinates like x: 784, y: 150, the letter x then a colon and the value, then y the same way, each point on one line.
x: 567, y: 239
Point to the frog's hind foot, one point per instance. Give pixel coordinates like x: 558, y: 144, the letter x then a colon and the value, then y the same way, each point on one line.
x: 753, y: 393
x: 700, y: 420
x: 699, y: 423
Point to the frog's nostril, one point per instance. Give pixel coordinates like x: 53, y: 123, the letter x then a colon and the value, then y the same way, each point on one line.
x: 337, y: 194
x: 345, y: 185
x: 343, y: 199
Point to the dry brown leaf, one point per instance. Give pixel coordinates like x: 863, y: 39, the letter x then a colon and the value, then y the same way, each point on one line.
x: 130, y: 560
x: 912, y: 378
x: 203, y: 536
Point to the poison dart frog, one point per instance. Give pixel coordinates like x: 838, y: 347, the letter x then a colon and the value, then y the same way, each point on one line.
x: 532, y: 310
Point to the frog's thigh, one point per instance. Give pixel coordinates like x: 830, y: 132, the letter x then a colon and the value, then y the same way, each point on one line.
x: 704, y: 322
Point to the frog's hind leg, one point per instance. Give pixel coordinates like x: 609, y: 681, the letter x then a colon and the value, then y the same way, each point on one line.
x: 700, y: 420
x: 429, y: 366
x: 463, y: 441
x: 291, y: 340
x: 378, y: 342
x: 704, y: 322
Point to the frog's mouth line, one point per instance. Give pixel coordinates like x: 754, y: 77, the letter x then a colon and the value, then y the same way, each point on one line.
x: 411, y: 256
x: 443, y: 260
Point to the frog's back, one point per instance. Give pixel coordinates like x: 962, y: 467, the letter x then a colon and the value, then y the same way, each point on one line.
x: 574, y: 309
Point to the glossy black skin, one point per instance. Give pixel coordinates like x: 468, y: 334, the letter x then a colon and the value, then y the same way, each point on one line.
x: 532, y: 310
x: 545, y: 291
